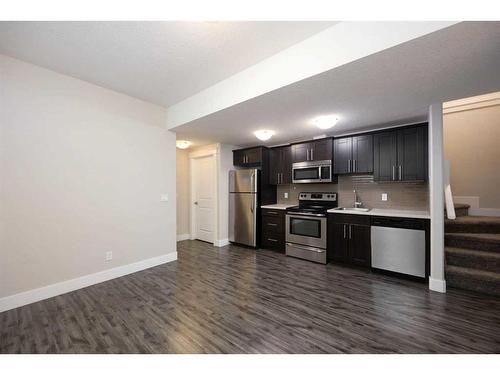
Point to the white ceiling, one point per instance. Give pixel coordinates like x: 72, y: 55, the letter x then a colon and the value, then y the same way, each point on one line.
x: 159, y: 62
x: 387, y: 88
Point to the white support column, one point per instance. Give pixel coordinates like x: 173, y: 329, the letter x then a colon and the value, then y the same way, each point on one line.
x: 436, y: 189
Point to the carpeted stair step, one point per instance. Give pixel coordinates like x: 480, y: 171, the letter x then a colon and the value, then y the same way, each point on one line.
x: 474, y: 280
x: 473, y: 224
x: 476, y: 259
x: 473, y: 241
x: 460, y: 209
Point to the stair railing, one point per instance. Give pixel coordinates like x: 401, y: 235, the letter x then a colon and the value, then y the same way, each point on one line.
x: 448, y: 196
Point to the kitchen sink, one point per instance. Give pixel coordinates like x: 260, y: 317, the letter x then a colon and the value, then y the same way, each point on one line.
x: 353, y: 209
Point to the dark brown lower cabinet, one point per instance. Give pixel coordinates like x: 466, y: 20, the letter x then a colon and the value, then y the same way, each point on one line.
x: 349, y: 239
x: 273, y: 229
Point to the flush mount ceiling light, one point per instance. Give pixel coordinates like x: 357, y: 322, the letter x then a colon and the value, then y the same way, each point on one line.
x: 183, y: 144
x: 264, y: 135
x: 325, y: 122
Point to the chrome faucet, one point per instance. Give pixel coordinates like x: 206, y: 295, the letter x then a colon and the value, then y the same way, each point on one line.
x: 357, y: 203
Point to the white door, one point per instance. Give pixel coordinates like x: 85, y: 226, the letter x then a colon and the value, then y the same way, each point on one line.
x: 204, y: 198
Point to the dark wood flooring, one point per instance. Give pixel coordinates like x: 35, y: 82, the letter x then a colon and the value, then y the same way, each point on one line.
x: 236, y: 300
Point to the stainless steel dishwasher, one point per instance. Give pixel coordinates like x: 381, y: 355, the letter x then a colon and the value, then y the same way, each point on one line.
x: 398, y: 245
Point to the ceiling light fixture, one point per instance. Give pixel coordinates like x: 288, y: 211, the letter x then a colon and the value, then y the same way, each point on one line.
x: 182, y: 144
x: 325, y: 122
x: 264, y: 135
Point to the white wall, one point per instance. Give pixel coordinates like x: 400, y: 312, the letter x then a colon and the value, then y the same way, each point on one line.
x: 224, y: 165
x: 183, y: 194
x: 471, y: 134
x: 82, y: 169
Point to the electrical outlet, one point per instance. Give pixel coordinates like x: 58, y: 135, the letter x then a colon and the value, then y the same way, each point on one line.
x: 164, y: 198
x: 285, y: 195
x: 109, y: 256
x: 384, y: 196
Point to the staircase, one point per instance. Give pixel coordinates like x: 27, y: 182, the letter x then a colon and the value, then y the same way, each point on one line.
x: 472, y: 246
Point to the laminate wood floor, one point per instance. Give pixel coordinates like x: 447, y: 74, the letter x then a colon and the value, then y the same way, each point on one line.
x: 237, y: 300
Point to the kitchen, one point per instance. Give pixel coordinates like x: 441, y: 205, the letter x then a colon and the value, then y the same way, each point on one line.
x: 358, y: 199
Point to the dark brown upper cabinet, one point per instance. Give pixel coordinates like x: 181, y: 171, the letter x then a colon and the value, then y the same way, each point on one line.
x: 248, y: 157
x: 280, y: 165
x: 353, y: 154
x: 401, y: 155
x: 312, y: 151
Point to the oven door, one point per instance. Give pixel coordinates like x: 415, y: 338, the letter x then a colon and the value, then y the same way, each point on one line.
x: 306, y: 230
x: 302, y: 175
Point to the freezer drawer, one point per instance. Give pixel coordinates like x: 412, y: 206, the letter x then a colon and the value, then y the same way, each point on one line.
x: 398, y: 250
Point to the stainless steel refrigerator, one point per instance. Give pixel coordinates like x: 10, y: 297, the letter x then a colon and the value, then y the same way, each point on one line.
x: 243, y: 200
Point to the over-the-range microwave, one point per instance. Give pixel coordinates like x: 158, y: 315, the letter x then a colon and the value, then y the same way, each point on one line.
x: 308, y: 172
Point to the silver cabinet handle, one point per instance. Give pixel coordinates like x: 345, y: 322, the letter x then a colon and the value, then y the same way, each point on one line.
x: 354, y: 165
x: 272, y: 224
x: 349, y: 165
x: 271, y: 239
x: 400, y: 173
x: 196, y: 203
x: 312, y: 154
x: 308, y: 152
x: 394, y: 173
x: 350, y: 231
x: 344, y: 231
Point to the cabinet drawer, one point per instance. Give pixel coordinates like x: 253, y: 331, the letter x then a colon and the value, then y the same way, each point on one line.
x: 349, y: 219
x: 273, y: 240
x: 272, y: 212
x: 274, y: 224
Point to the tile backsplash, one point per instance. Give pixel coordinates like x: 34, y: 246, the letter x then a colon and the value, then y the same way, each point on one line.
x: 400, y: 195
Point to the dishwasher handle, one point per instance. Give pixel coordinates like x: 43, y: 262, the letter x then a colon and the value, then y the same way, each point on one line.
x: 398, y: 222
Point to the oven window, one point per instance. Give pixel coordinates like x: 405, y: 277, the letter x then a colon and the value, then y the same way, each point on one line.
x: 306, y: 173
x: 305, y: 227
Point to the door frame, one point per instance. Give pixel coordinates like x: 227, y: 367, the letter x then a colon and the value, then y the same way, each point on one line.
x: 198, y: 154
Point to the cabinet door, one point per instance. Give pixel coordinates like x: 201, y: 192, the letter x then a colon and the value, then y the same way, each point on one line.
x: 338, y: 245
x: 239, y: 157
x: 286, y: 165
x: 342, y: 155
x: 362, y: 154
x: 385, y: 156
x: 300, y: 152
x: 254, y: 155
x: 321, y: 150
x: 412, y: 154
x: 359, y: 245
x: 274, y: 165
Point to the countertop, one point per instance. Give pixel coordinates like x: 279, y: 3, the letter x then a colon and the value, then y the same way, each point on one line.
x: 387, y: 212
x: 278, y: 206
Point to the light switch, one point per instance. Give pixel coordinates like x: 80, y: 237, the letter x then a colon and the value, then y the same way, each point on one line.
x: 285, y: 195
x: 164, y: 198
x: 384, y: 196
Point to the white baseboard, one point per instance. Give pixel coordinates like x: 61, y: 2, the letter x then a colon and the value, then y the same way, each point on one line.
x: 220, y: 243
x: 35, y: 295
x: 437, y: 285
x: 182, y: 237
